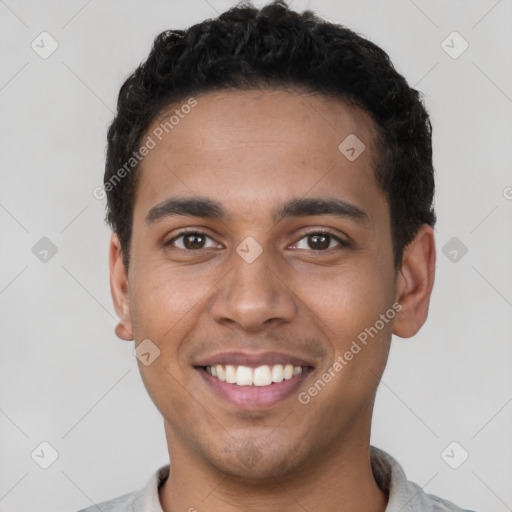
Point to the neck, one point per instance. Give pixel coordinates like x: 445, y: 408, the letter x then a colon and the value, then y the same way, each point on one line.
x: 341, y: 481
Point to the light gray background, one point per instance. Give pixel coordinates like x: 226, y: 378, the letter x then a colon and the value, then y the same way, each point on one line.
x: 67, y: 380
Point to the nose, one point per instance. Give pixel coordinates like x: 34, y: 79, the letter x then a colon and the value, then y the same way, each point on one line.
x: 253, y: 296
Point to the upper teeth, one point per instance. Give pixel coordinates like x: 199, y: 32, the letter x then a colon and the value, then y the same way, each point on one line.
x: 248, y: 376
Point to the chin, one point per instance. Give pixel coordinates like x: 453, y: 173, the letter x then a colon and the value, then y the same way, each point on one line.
x: 245, y: 461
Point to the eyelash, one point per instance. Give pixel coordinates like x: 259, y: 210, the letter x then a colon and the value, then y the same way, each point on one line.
x: 343, y: 243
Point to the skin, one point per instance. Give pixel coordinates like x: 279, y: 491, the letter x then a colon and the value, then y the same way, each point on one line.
x: 252, y: 151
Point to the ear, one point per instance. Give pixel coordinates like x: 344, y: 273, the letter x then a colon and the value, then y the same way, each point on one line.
x: 119, y: 289
x: 415, y: 282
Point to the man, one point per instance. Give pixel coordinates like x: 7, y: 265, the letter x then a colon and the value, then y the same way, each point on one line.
x: 270, y: 184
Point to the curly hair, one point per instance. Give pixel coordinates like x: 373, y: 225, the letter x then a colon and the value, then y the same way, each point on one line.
x: 275, y: 47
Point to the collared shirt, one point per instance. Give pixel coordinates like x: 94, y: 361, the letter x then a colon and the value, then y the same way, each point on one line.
x: 403, y: 496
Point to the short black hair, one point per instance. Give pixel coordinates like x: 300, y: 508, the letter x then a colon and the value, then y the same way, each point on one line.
x: 275, y: 47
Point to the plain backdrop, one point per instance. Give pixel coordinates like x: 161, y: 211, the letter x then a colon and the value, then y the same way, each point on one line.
x: 66, y: 380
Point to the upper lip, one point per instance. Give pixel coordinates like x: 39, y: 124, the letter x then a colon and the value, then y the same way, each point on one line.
x: 252, y: 359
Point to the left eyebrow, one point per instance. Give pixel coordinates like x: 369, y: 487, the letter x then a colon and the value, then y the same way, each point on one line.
x: 319, y: 206
x: 300, y: 207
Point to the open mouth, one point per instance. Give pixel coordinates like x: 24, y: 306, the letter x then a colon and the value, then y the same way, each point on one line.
x: 264, y: 375
x: 253, y: 380
x: 254, y: 387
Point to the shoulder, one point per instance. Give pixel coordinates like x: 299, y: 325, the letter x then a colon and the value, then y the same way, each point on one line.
x: 146, y: 499
x: 120, y: 504
x: 404, y: 495
x: 423, y: 502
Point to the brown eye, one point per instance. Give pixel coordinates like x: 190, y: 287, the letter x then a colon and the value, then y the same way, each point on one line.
x: 320, y: 241
x: 192, y: 240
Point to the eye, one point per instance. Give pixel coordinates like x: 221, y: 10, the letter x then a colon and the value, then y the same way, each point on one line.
x: 197, y: 240
x: 190, y: 240
x: 320, y: 241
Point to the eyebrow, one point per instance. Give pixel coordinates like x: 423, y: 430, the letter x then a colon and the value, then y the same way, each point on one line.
x: 300, y: 207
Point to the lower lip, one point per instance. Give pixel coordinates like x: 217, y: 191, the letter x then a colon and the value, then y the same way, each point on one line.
x: 250, y: 397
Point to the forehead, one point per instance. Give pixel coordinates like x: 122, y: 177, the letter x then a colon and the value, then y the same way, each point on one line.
x: 259, y: 146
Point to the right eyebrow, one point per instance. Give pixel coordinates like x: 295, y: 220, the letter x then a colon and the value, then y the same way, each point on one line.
x: 194, y: 207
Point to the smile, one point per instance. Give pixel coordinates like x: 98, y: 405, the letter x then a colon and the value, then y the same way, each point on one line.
x: 253, y: 380
x: 254, y: 387
x: 264, y: 375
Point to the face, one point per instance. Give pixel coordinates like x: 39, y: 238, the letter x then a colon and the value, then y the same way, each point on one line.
x: 259, y: 249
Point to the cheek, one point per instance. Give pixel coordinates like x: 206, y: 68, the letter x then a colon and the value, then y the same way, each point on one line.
x: 346, y: 300
x: 348, y: 305
x: 163, y: 310
x: 165, y: 304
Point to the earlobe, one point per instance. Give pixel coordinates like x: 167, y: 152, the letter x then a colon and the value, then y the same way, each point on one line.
x: 122, y: 333
x: 415, y: 282
x: 119, y: 289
